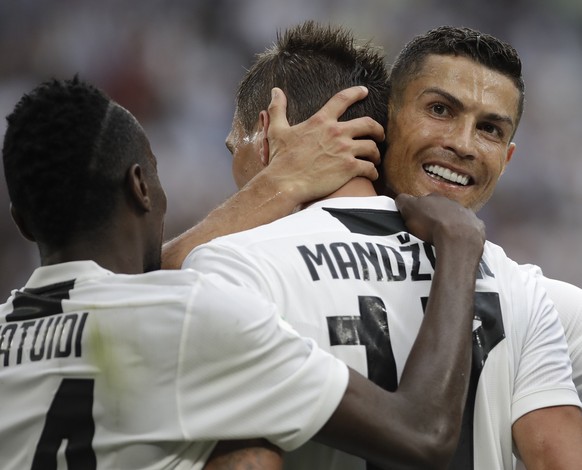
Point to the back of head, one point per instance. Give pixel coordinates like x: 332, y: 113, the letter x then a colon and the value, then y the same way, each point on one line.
x: 66, y: 152
x: 311, y: 63
x: 482, y: 48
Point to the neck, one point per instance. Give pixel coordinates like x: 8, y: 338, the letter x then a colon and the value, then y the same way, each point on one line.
x: 108, y: 254
x: 356, y: 187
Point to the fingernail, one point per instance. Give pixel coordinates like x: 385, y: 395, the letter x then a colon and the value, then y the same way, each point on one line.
x: 273, y: 93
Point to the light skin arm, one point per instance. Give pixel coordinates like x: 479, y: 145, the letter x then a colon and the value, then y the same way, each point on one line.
x: 550, y: 438
x: 418, y: 425
x: 292, y: 177
x: 256, y: 454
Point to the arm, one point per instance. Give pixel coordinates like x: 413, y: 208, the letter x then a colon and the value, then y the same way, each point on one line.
x: 257, y: 454
x: 404, y: 428
x: 550, y: 438
x: 324, y: 162
x: 551, y: 435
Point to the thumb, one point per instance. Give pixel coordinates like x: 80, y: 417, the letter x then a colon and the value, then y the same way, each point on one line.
x: 278, y: 109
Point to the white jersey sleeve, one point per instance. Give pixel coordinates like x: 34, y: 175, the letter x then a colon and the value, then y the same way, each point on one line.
x: 150, y: 371
x: 568, y: 300
x: 544, y: 375
x: 253, y: 375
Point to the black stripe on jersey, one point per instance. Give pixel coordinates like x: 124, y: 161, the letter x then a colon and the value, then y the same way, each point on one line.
x: 384, y: 222
x: 485, y: 337
x: 369, y: 221
x: 32, y: 303
x: 371, y: 330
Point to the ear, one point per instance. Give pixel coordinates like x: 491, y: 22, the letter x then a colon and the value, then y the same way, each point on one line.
x: 21, y: 224
x: 264, y: 123
x: 510, y: 150
x: 138, y: 188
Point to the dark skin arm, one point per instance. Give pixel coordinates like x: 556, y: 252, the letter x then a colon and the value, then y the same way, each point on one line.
x: 404, y: 429
x: 292, y: 177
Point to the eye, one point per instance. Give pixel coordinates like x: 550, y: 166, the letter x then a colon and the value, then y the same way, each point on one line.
x: 439, y: 109
x: 491, y: 129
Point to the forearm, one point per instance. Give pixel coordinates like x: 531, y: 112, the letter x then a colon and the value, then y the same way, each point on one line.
x: 257, y: 454
x: 447, y: 339
x: 418, y: 425
x: 264, y: 199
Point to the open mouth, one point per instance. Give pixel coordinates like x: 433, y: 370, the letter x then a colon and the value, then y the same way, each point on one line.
x: 446, y: 175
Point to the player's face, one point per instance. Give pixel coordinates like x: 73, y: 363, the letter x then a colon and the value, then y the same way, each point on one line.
x: 246, y: 162
x: 450, y: 131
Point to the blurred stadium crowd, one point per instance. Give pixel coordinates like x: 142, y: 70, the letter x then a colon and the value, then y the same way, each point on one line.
x: 175, y: 64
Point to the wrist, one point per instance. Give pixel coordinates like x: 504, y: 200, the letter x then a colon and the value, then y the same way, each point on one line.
x: 468, y: 247
x: 273, y: 186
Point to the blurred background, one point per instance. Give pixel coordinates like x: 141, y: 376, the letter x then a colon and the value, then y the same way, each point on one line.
x: 176, y: 63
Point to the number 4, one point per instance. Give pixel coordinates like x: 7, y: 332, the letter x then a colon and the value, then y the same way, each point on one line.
x: 70, y: 417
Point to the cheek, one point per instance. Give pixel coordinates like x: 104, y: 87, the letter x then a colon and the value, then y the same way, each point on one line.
x: 495, y: 164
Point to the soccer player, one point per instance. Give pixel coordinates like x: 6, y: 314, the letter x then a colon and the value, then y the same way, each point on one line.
x: 108, y: 363
x: 345, y: 253
x: 456, y: 100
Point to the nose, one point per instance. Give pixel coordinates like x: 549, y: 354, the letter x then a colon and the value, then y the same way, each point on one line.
x: 461, y: 138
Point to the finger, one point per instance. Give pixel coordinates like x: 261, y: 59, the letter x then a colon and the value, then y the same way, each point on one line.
x: 363, y: 127
x: 278, y: 109
x: 366, y: 169
x: 342, y: 100
x: 366, y: 149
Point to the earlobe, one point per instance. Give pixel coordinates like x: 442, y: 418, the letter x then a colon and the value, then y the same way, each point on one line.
x: 22, y: 227
x: 264, y: 129
x: 138, y: 188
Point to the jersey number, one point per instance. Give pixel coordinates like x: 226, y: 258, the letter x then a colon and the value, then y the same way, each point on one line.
x: 70, y: 418
x: 371, y: 330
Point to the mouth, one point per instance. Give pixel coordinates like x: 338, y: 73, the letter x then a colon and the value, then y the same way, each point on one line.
x: 444, y: 174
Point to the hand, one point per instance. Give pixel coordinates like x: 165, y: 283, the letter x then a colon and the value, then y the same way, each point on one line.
x: 320, y: 155
x: 436, y: 219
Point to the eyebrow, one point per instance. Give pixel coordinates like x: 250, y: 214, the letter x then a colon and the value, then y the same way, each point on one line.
x: 458, y: 103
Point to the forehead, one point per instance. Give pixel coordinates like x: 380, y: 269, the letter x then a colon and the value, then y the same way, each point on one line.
x: 468, y: 81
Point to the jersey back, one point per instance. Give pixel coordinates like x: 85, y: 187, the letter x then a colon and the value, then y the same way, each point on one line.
x: 347, y: 273
x: 106, y: 371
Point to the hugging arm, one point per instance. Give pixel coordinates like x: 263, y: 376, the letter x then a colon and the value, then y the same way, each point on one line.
x: 419, y: 424
x: 295, y: 174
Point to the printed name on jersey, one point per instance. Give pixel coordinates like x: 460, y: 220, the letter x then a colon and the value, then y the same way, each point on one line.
x: 42, y: 339
x: 340, y: 260
x: 37, y: 329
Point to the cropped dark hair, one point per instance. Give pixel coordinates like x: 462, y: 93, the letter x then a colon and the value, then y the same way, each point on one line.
x: 310, y: 63
x: 65, y: 156
x: 484, y: 49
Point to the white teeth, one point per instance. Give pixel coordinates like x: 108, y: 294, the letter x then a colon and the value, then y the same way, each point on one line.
x: 447, y: 174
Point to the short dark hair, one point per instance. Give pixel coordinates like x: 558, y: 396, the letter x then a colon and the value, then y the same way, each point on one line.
x: 65, y: 156
x: 310, y: 63
x: 484, y: 49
